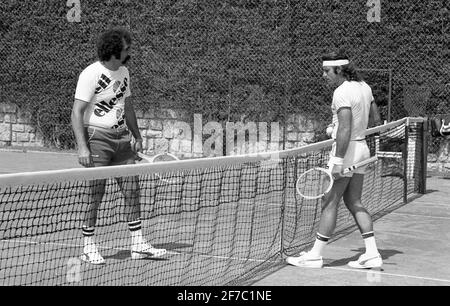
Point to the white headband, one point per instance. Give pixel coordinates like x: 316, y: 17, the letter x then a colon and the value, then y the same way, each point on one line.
x: 336, y: 62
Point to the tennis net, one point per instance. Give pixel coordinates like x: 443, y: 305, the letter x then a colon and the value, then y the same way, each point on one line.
x: 224, y: 221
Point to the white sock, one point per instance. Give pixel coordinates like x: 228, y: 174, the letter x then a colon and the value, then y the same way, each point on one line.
x: 369, y: 241
x: 319, y: 244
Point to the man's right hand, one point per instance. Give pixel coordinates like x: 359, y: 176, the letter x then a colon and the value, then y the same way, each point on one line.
x: 336, y: 172
x: 85, y: 158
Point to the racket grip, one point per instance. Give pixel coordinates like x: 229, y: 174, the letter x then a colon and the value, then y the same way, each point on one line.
x: 137, y: 157
x: 360, y: 164
x: 349, y: 169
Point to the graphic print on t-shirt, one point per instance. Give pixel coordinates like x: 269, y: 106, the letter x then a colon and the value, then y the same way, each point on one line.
x: 103, y: 82
x: 105, y: 106
x: 116, y: 85
x: 120, y: 115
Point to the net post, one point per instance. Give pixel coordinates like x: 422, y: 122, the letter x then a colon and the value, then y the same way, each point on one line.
x: 283, y: 206
x: 424, y: 158
x: 405, y: 163
x: 390, y: 96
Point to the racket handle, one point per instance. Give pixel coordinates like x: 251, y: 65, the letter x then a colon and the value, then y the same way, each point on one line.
x: 142, y: 156
x: 360, y: 164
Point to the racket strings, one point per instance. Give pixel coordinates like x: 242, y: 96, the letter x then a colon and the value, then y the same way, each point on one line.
x: 163, y: 157
x: 170, y: 178
x: 314, y: 182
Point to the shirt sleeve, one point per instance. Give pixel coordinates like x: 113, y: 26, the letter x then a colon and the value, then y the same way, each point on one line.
x: 128, y: 90
x: 85, y: 86
x: 341, y: 100
x: 369, y: 91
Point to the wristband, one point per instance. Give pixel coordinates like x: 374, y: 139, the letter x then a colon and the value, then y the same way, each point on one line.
x: 336, y: 160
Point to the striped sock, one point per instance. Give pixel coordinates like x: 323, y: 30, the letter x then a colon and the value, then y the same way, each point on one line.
x: 135, y: 228
x: 135, y: 225
x: 88, y: 234
x: 319, y: 244
x: 369, y: 241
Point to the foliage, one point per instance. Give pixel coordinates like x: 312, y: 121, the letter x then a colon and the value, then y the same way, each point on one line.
x: 229, y: 59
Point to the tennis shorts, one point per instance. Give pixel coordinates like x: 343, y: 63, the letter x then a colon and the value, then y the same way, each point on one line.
x: 110, y: 147
x: 357, y: 151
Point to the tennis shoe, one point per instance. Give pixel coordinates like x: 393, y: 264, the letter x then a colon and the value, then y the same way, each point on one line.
x: 306, y: 260
x: 92, y: 256
x: 367, y: 261
x: 145, y: 250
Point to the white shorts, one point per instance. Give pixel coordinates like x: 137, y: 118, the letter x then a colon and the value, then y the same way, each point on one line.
x: 357, y: 151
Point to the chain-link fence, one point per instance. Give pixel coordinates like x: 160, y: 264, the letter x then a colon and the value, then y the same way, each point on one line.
x: 228, y: 60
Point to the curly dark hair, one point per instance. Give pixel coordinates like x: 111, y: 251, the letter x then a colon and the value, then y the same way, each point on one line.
x: 110, y: 43
x: 349, y: 71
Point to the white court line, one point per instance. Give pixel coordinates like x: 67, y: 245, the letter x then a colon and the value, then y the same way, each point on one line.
x: 36, y: 151
x: 71, y: 245
x: 389, y: 274
x: 420, y: 216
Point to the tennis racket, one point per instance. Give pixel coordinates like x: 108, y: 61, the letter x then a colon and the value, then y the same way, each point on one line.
x: 316, y: 182
x: 163, y: 157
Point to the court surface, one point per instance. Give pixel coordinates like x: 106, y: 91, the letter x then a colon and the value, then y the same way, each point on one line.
x: 413, y: 240
x: 18, y: 161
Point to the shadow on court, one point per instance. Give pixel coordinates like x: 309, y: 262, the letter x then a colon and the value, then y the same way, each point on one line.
x: 121, y: 255
x: 386, y: 254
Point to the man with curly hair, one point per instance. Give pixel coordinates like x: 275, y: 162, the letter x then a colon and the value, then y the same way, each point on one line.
x: 102, y: 121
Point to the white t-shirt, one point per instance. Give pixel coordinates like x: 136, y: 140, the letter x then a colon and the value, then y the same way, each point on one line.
x: 105, y: 91
x: 357, y: 96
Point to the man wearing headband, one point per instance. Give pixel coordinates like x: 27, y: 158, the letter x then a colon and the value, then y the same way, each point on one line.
x: 353, y: 110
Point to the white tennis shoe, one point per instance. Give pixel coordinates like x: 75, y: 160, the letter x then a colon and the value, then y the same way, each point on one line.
x: 367, y: 261
x: 92, y: 256
x: 306, y: 260
x: 146, y: 250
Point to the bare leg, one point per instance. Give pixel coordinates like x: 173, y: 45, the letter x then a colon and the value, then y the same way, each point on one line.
x: 330, y: 204
x: 131, y: 192
x: 95, y: 191
x: 352, y: 199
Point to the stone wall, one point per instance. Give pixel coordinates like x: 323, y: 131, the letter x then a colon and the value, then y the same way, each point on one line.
x: 440, y: 161
x: 186, y: 136
x: 167, y: 130
x: 16, y: 128
x: 191, y: 136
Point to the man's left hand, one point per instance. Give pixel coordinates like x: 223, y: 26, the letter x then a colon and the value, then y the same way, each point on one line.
x: 137, y: 146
